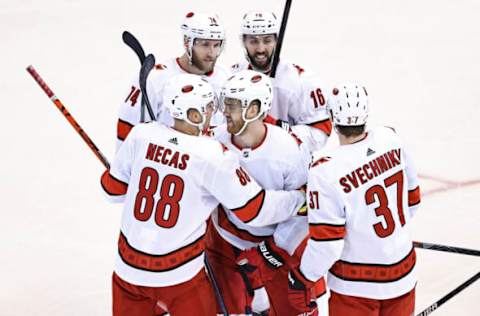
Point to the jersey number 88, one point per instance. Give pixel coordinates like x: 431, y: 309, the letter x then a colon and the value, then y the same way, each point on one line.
x: 171, y: 192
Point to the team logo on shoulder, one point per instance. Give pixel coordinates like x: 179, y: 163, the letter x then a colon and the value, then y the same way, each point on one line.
x: 320, y: 161
x: 300, y: 70
x: 173, y: 140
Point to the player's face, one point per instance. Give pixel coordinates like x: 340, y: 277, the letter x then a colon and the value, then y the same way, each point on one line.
x: 205, y: 53
x: 260, y: 49
x: 204, y: 118
x: 232, y: 109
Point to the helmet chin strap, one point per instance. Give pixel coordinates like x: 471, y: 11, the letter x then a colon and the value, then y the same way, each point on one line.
x: 246, y: 122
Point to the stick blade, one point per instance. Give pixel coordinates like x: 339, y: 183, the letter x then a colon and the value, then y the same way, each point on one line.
x: 132, y: 42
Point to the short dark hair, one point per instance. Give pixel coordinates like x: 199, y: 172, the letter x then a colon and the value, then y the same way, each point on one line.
x: 349, y: 131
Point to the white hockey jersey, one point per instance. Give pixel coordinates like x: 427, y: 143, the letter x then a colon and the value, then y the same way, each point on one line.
x: 278, y: 163
x: 129, y: 113
x: 170, y: 183
x: 299, y: 98
x: 362, y: 197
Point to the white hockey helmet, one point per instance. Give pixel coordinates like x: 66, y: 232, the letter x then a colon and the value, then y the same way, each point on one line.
x: 348, y: 105
x: 248, y: 86
x: 204, y: 26
x: 259, y: 23
x: 186, y: 91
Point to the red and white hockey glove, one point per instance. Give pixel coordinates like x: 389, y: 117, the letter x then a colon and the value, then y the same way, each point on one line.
x: 301, y: 293
x: 268, y: 259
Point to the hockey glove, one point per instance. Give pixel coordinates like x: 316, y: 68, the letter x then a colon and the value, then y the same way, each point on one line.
x: 301, y: 292
x: 267, y: 258
x: 282, y: 124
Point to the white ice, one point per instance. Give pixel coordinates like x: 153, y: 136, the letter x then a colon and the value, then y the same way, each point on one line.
x: 419, y: 60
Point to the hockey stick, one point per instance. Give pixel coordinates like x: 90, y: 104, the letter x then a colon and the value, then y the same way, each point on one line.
x: 437, y: 247
x: 216, y: 289
x: 134, y: 44
x: 147, y: 66
x: 430, y: 309
x: 281, y: 34
x: 43, y: 85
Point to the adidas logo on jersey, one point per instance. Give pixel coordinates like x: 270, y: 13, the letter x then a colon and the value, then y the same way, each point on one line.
x: 173, y: 141
x: 370, y: 152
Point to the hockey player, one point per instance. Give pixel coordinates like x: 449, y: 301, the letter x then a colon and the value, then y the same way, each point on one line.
x: 203, y: 40
x: 300, y: 97
x: 275, y: 160
x: 170, y: 180
x: 362, y: 197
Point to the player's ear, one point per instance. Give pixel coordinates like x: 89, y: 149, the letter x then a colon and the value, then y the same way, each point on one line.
x: 253, y: 109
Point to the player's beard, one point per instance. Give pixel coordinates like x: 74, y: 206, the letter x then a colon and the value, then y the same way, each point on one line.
x: 233, y: 127
x: 261, y: 65
x: 203, y: 66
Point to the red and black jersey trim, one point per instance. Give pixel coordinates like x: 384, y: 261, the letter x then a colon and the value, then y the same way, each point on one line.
x: 414, y: 196
x: 159, y: 263
x: 320, y: 287
x: 376, y: 273
x: 123, y: 129
x: 243, y: 234
x: 251, y: 209
x: 324, y: 125
x: 112, y: 186
x: 326, y: 232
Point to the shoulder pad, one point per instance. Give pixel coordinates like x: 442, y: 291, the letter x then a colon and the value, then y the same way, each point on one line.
x: 320, y: 161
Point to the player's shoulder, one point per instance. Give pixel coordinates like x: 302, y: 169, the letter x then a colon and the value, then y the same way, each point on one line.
x: 384, y: 133
x: 144, y: 130
x: 220, y: 72
x: 320, y: 160
x: 283, y: 145
x: 288, y: 75
x: 221, y: 133
x: 205, y: 147
x: 238, y: 66
x: 162, y: 71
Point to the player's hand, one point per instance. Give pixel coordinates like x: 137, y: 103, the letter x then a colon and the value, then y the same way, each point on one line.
x: 267, y: 257
x: 302, y: 211
x: 301, y: 292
